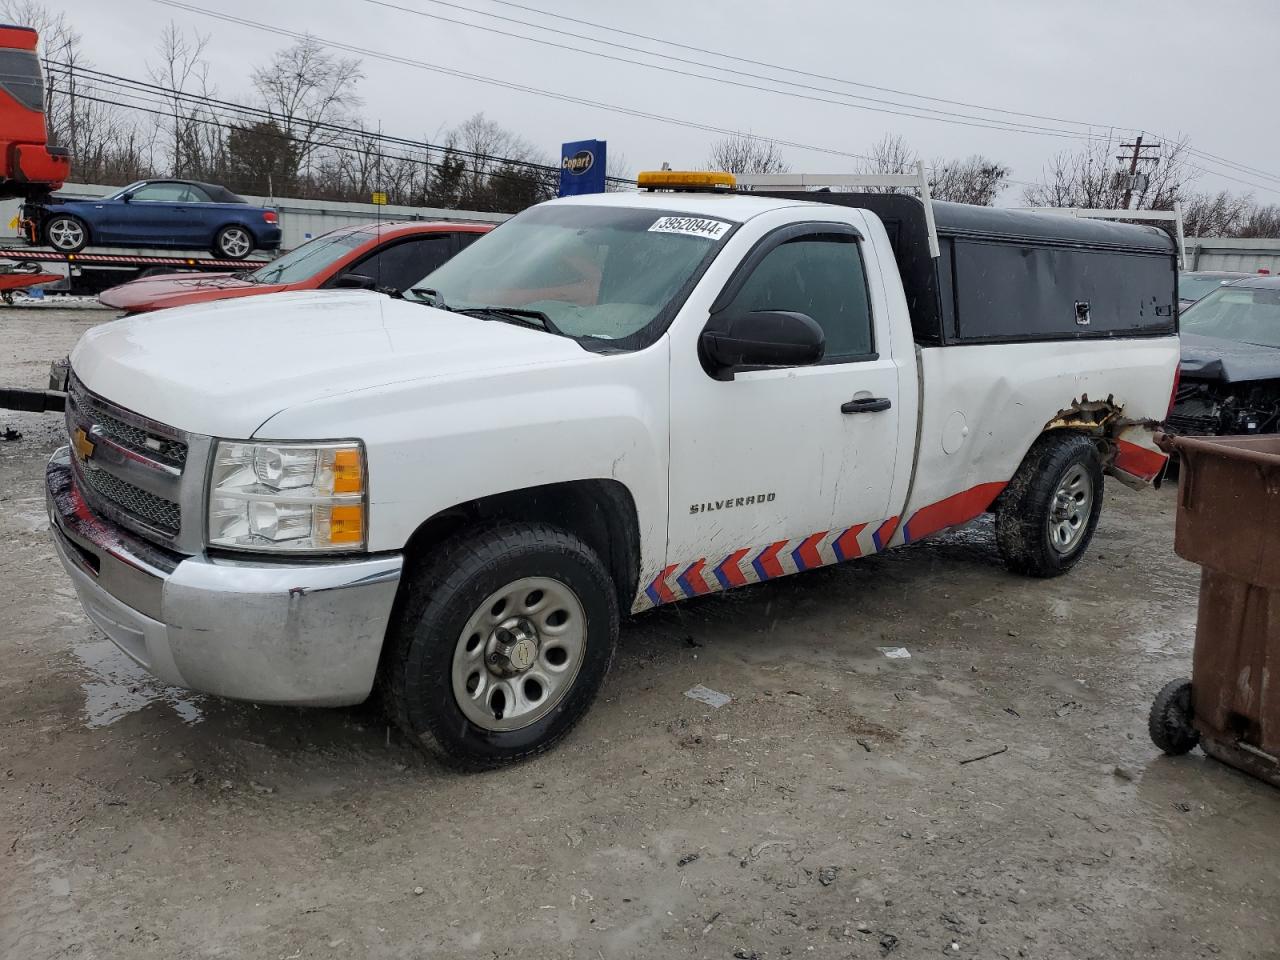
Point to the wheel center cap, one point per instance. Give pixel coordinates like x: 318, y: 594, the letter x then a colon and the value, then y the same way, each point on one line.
x: 515, y: 648
x: 521, y: 654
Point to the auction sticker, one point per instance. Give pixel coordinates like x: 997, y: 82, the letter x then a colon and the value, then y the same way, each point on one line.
x: 692, y: 227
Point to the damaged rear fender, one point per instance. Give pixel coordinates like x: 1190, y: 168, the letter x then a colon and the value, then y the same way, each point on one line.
x: 1128, y: 446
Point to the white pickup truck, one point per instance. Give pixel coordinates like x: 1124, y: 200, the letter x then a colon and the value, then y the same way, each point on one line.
x: 609, y: 403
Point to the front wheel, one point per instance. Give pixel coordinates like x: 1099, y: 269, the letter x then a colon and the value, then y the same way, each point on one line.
x: 66, y: 233
x: 1046, y: 517
x: 233, y: 243
x: 501, y: 643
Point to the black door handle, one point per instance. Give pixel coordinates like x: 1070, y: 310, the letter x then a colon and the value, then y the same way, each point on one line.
x: 866, y: 405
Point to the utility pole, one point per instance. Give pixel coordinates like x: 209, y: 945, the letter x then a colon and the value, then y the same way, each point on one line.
x: 1134, y: 159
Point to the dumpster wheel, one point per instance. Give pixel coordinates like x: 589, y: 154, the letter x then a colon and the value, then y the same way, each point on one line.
x: 1170, y: 722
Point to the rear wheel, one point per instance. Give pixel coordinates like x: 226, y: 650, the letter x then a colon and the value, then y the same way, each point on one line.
x: 1171, y: 720
x: 66, y: 233
x: 233, y: 243
x: 500, y: 644
x: 1046, y: 517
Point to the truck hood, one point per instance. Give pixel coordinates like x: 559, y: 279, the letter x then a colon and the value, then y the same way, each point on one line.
x: 1210, y: 358
x: 224, y: 369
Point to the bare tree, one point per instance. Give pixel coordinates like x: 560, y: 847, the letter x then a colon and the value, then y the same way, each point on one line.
x: 1260, y: 221
x: 616, y: 168
x: 485, y: 140
x: 743, y: 153
x: 975, y: 179
x: 307, y: 91
x: 889, y: 155
x: 1090, y: 177
x: 1214, y: 214
x: 194, y: 147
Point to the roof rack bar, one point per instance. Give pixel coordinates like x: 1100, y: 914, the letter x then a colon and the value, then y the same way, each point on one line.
x: 795, y: 182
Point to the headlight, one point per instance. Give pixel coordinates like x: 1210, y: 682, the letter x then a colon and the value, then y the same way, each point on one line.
x: 288, y: 497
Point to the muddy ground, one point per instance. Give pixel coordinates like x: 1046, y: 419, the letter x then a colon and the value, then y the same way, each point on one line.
x: 824, y: 812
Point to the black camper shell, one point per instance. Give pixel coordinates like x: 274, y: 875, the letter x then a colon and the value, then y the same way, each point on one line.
x: 1010, y: 276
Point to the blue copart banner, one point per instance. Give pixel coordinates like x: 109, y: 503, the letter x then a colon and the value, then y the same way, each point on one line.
x: 582, y: 167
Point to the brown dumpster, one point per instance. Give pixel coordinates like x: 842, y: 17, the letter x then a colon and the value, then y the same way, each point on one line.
x: 1229, y: 523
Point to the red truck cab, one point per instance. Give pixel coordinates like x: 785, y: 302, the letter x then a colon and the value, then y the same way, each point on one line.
x: 29, y: 167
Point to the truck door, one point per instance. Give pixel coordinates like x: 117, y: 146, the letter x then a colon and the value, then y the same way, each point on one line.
x: 779, y: 470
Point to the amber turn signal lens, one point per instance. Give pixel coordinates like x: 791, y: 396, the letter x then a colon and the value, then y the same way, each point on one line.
x: 346, y: 524
x: 347, y: 472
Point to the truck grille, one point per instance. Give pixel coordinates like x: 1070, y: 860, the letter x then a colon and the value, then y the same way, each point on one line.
x: 129, y: 468
x: 152, y: 510
x: 173, y: 452
x: 139, y: 441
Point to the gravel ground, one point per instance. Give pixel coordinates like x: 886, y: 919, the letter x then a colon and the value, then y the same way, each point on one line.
x: 826, y: 811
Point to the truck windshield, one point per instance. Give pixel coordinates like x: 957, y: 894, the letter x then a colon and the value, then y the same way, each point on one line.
x: 615, y: 274
x: 310, y: 258
x: 1244, y: 314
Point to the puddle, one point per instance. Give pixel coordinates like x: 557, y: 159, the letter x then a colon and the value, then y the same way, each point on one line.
x: 117, y: 687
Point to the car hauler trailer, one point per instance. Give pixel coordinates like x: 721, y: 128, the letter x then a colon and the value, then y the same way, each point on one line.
x: 93, y: 270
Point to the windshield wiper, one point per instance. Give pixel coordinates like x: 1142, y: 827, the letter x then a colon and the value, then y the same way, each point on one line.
x: 246, y: 275
x: 432, y: 296
x: 534, y: 319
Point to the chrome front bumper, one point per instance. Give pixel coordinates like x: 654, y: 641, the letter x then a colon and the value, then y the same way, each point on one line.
x: 295, y: 633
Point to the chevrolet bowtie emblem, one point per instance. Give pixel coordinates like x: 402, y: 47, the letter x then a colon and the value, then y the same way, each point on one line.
x: 82, y: 445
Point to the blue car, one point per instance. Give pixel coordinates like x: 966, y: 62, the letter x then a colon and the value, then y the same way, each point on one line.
x: 183, y: 214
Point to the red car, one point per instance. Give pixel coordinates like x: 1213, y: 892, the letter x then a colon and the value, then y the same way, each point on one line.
x: 387, y: 256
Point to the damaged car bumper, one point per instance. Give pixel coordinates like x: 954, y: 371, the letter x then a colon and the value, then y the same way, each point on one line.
x: 288, y: 633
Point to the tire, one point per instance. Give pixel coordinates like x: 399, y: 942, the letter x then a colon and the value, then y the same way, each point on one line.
x: 1046, y: 517
x: 440, y: 680
x: 1170, y: 722
x: 233, y: 242
x: 66, y: 233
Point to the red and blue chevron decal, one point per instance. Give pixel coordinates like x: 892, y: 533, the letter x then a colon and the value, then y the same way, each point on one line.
x: 780, y: 558
x: 846, y: 545
x: 884, y: 533
x: 951, y: 512
x: 658, y: 591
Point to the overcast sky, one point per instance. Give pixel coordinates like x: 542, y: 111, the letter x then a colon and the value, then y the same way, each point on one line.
x: 1209, y: 70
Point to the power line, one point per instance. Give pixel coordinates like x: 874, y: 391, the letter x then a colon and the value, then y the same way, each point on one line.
x: 260, y: 114
x: 1230, y: 164
x: 138, y: 102
x: 510, y: 85
x: 780, y: 67
x: 942, y: 116
x: 504, y: 84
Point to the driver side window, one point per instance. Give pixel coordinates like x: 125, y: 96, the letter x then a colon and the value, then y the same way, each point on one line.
x: 163, y: 193
x: 819, y: 275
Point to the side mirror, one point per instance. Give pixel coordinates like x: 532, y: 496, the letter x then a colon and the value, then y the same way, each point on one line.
x: 354, y: 281
x: 764, y: 338
x: 125, y: 198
